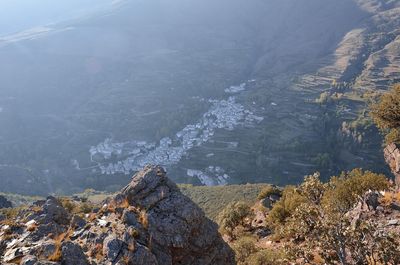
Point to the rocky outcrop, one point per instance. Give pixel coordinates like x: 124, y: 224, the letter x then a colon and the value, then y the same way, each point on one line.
x: 392, y: 158
x: 4, y: 203
x: 148, y: 222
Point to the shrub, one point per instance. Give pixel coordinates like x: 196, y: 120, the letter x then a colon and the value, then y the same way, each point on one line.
x: 234, y: 215
x: 86, y: 207
x: 344, y: 191
x: 69, y: 205
x: 393, y: 136
x: 291, y: 199
x: 386, y: 112
x: 268, y: 191
x: 243, y: 248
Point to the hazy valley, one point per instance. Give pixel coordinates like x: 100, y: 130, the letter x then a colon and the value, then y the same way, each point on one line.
x: 86, y: 102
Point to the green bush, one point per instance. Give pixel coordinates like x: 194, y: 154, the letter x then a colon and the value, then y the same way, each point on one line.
x: 344, y: 191
x: 234, y: 215
x: 285, y: 207
x: 386, y: 114
x: 243, y: 248
x: 268, y: 191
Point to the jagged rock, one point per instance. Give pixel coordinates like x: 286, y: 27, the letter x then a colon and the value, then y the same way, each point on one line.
x: 142, y: 255
x: 149, y: 222
x: 130, y: 218
x: 29, y: 260
x: 72, y: 254
x: 372, y: 200
x: 392, y: 158
x: 180, y: 232
x: 4, y: 203
x: 2, y: 217
x: 77, y: 222
x: 46, y: 249
x: 52, y: 212
x: 395, y: 206
x: 112, y: 247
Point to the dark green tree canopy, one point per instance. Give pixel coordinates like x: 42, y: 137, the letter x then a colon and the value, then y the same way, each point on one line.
x: 386, y: 114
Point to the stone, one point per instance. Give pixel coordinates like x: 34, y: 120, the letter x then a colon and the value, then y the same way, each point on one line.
x: 77, y: 222
x: 175, y: 222
x: 394, y: 222
x: 129, y: 218
x: 72, y: 254
x: 4, y: 203
x: 53, y: 209
x: 112, y: 247
x: 143, y: 255
x: 372, y: 200
x: 392, y: 158
x: 29, y: 260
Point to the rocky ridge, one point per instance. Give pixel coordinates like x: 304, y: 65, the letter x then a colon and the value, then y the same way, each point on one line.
x: 392, y: 158
x: 148, y: 222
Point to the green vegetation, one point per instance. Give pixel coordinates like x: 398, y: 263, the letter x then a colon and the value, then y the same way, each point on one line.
x: 268, y: 191
x: 234, y: 215
x: 284, y: 208
x: 214, y: 199
x: 323, y: 227
x: 312, y: 223
x: 386, y: 114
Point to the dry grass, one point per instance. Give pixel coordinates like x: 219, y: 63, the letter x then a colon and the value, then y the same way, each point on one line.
x: 11, y: 213
x: 57, y: 255
x: 124, y: 204
x: 97, y: 252
x: 143, y: 219
x: 389, y: 198
x: 32, y: 227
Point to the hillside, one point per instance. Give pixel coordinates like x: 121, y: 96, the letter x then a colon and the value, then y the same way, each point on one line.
x: 212, y: 200
x: 217, y: 92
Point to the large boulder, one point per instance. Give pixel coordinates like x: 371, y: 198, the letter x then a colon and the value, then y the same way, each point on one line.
x: 392, y: 158
x: 179, y: 230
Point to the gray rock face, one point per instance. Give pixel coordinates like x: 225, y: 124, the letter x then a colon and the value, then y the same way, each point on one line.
x: 180, y: 232
x: 392, y: 158
x: 29, y: 260
x: 72, y: 254
x: 112, y: 247
x: 149, y: 222
x: 4, y: 203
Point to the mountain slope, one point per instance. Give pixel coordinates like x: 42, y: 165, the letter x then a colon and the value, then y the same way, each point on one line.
x: 86, y: 102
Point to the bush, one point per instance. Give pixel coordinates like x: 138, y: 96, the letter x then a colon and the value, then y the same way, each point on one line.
x: 234, y: 215
x: 268, y: 191
x: 285, y: 207
x: 344, y: 191
x: 386, y: 114
x: 243, y: 248
x: 392, y: 137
